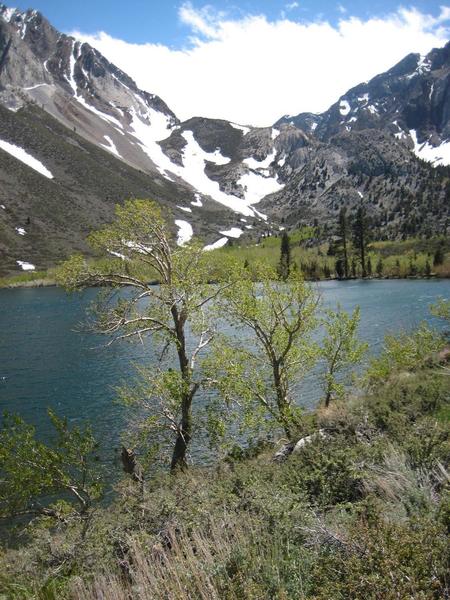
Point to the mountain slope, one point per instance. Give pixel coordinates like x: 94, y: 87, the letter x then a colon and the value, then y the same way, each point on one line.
x: 86, y: 182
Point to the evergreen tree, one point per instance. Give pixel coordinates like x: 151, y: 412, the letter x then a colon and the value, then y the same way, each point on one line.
x: 344, y: 234
x: 369, y: 267
x: 339, y: 268
x: 380, y: 267
x: 427, y: 268
x: 284, y: 265
x: 438, y: 256
x: 360, y: 236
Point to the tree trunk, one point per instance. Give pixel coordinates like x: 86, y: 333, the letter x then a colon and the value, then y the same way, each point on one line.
x: 344, y: 239
x: 179, y: 456
x: 363, y: 256
x: 282, y: 403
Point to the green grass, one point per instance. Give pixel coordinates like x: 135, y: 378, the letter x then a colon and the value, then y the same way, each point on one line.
x: 30, y: 278
x: 443, y: 414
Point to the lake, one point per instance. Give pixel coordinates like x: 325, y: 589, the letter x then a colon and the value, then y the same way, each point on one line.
x: 44, y: 362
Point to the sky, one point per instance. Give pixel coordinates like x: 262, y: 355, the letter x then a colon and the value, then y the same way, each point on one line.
x: 251, y: 62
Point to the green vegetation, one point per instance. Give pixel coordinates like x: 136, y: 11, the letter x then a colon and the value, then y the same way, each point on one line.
x: 402, y: 259
x: 360, y: 510
x: 34, y: 472
x: 29, y: 278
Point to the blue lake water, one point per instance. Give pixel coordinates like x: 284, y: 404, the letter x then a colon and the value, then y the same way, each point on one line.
x: 45, y: 362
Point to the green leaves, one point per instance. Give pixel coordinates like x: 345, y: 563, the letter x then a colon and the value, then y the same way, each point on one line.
x: 403, y: 352
x: 34, y: 474
x: 340, y: 350
x: 272, y: 349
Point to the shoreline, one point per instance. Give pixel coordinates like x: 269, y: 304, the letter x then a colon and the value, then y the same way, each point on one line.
x: 43, y: 283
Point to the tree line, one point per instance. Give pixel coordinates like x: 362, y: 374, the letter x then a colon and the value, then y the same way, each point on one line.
x: 351, y: 249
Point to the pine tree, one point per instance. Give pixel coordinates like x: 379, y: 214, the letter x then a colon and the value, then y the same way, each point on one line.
x: 360, y: 236
x: 343, y: 232
x: 380, y: 267
x: 284, y: 265
x: 339, y: 268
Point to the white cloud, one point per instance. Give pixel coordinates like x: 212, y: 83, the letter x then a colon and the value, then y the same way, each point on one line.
x: 202, y: 21
x: 252, y: 71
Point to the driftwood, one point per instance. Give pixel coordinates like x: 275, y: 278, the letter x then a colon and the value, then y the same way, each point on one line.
x: 130, y: 464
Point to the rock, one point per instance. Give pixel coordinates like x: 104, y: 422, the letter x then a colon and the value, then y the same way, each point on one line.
x: 284, y: 452
x: 307, y: 440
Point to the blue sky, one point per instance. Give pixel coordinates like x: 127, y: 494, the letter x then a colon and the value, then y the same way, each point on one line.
x: 254, y: 61
x: 143, y: 21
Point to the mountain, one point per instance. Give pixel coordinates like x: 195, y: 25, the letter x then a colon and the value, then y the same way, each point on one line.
x: 77, y: 136
x: 361, y: 148
x: 86, y: 123
x: 411, y: 101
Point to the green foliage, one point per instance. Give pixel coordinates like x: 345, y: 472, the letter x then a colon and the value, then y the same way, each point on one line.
x: 34, y: 475
x: 378, y: 559
x: 441, y: 309
x: 142, y: 240
x: 340, y: 350
x: 274, y: 348
x: 403, y: 352
x: 360, y: 510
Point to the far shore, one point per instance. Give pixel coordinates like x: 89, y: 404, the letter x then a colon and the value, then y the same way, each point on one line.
x: 43, y: 282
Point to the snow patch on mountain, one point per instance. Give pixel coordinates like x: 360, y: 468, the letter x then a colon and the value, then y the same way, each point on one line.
x: 185, y: 232
x: 25, y: 266
x: 263, y: 164
x: 8, y: 14
x: 219, y: 244
x: 197, y: 201
x: 436, y: 155
x: 234, y: 232
x: 242, y: 128
x: 275, y: 133
x: 111, y: 147
x: 256, y: 186
x: 344, y: 108
x: 26, y: 158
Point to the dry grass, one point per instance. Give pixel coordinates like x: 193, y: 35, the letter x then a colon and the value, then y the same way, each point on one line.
x: 186, y: 566
x: 397, y: 483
